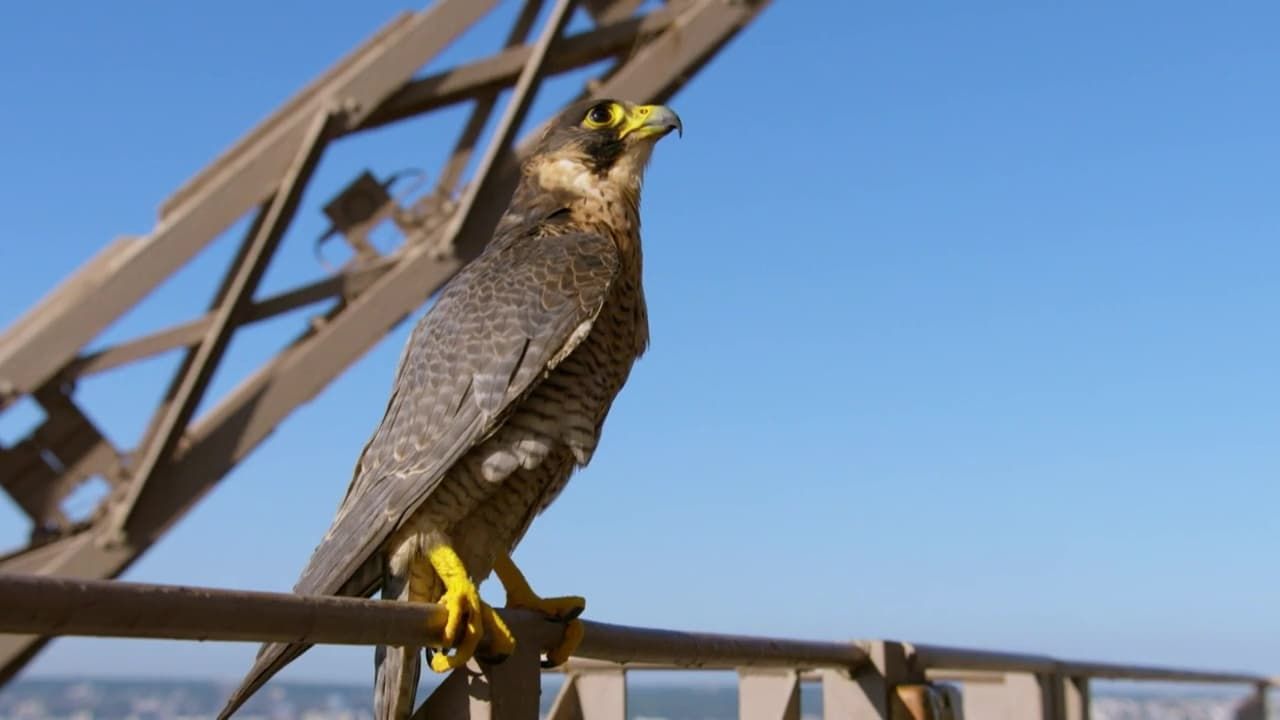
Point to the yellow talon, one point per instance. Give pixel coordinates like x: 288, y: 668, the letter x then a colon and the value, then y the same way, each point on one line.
x: 465, y: 625
x: 561, y: 609
x: 560, y: 654
x: 520, y: 595
x: 502, y: 643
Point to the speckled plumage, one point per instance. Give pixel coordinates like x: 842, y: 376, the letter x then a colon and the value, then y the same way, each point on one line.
x: 500, y: 394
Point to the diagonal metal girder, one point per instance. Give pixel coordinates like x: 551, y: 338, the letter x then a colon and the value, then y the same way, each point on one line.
x: 229, y: 189
x: 343, y: 284
x: 197, y: 368
x: 372, y: 86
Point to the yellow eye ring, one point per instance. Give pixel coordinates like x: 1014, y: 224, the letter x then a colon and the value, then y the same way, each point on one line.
x: 602, y: 115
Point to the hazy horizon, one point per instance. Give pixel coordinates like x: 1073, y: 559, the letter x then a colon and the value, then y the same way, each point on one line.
x: 37, y: 700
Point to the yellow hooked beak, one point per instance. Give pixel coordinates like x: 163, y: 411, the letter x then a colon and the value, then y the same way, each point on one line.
x: 645, y: 121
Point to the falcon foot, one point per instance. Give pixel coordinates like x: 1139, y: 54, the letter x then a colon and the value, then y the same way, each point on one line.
x: 559, y: 609
x: 469, y: 618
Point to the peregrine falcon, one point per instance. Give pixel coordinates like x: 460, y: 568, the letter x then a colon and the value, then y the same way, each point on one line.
x: 500, y: 395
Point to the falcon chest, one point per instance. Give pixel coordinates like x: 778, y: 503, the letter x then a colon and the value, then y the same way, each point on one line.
x: 582, y: 388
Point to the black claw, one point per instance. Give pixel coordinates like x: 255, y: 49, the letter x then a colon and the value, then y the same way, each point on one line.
x: 492, y: 659
x: 573, y: 614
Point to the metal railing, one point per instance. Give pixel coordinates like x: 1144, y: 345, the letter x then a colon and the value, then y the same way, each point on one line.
x: 878, y: 679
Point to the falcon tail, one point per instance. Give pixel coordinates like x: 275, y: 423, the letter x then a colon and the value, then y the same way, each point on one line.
x: 395, y: 684
x: 274, y: 656
x: 396, y: 669
x: 271, y: 659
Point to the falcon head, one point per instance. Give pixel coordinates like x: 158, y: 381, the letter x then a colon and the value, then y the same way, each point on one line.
x: 596, y: 146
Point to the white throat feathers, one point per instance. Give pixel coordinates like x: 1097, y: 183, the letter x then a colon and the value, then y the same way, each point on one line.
x: 573, y: 175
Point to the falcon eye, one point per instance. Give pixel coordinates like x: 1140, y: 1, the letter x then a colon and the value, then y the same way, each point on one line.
x: 602, y: 115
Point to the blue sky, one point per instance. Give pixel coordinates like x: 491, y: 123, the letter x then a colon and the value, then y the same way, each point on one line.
x: 963, y: 316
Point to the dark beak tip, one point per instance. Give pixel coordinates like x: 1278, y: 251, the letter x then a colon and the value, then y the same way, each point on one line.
x: 666, y: 119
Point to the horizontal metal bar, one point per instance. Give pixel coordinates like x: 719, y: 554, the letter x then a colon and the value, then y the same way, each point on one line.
x: 621, y: 644
x: 578, y: 665
x: 950, y: 658
x: 937, y: 656
x: 35, y: 604
x: 42, y: 605
x: 1114, y: 671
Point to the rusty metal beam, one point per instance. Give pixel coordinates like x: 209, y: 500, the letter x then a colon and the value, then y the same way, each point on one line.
x: 855, y: 681
x: 59, y: 606
x: 197, y: 369
x: 950, y: 658
x: 1075, y: 697
x: 498, y: 150
x: 624, y: 645
x: 32, y: 485
x: 1021, y: 695
x: 101, y: 608
x: 597, y: 695
x: 485, y: 102
x: 59, y: 300
x: 303, y: 103
x: 501, y: 70
x: 565, y: 706
x: 768, y: 694
x: 668, y: 62
x: 189, y: 333
x: 215, y: 184
x: 244, y: 178
x: 53, y: 460
x: 652, y: 74
x: 603, y: 11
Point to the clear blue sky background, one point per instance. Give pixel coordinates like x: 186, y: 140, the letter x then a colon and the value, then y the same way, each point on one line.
x: 964, y: 321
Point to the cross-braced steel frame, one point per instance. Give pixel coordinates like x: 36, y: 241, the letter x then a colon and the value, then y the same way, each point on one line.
x: 180, y: 457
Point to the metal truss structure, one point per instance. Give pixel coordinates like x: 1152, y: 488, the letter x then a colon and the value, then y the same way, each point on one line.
x: 652, y: 51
